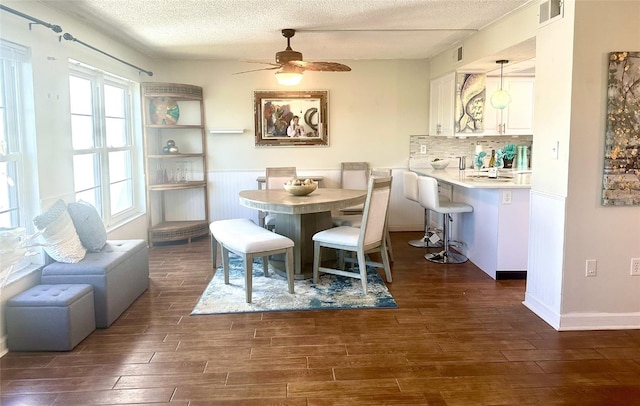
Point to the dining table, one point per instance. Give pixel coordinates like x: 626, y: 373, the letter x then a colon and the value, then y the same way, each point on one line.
x: 300, y: 217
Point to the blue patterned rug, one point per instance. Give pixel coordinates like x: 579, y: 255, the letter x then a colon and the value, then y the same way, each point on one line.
x: 272, y: 294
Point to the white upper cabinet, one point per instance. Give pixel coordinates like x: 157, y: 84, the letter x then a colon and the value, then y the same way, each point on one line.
x: 517, y: 117
x: 441, y: 105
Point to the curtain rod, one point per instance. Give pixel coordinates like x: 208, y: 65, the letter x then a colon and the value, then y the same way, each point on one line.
x: 55, y: 28
x: 69, y: 37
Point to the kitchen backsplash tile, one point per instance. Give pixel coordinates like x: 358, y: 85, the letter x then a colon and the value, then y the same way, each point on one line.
x: 452, y: 148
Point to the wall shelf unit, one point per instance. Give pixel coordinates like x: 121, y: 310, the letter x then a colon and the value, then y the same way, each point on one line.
x: 175, y: 162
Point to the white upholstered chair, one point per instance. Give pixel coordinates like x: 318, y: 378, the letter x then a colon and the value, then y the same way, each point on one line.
x: 369, y: 237
x: 355, y: 220
x: 275, y: 178
x: 430, y: 199
x: 354, y: 175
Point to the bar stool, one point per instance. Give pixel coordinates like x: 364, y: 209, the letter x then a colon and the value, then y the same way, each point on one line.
x: 410, y: 186
x: 428, y: 196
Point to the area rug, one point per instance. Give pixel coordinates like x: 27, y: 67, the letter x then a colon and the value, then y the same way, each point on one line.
x: 272, y: 294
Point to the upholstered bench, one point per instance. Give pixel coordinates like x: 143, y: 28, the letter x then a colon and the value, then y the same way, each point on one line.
x: 119, y: 273
x: 245, y: 238
x: 50, y: 317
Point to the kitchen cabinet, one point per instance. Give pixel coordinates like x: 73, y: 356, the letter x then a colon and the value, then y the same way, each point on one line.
x: 175, y: 162
x: 441, y: 105
x: 517, y: 117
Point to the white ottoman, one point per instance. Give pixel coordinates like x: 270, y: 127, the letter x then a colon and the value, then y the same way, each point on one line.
x: 50, y: 317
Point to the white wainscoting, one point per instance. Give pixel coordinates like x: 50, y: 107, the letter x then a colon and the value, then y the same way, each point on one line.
x: 224, y: 187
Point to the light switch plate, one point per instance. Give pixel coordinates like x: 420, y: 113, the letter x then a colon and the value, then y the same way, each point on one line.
x: 423, y: 149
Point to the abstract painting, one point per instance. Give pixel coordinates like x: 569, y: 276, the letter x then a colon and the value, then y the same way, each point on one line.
x: 469, y: 105
x: 621, y: 183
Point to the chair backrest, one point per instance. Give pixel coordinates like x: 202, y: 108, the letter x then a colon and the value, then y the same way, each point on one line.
x: 410, y: 185
x: 380, y: 172
x: 376, y: 209
x: 354, y: 175
x: 276, y: 177
x: 428, y: 193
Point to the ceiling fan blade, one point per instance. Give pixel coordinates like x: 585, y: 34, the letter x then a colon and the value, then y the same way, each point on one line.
x: 321, y: 66
x: 257, y: 70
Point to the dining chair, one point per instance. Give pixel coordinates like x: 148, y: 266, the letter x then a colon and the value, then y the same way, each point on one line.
x: 368, y: 238
x: 354, y: 175
x: 275, y: 178
x: 355, y: 220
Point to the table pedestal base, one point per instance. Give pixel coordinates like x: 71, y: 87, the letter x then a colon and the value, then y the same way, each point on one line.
x: 300, y: 228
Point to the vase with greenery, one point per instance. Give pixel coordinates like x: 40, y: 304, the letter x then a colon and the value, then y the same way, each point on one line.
x: 508, y: 153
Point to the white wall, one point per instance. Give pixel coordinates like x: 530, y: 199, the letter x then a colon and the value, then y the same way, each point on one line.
x: 611, y: 235
x: 373, y: 110
x: 571, y: 83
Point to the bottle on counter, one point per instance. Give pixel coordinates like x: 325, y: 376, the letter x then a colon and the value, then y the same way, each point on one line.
x: 492, y: 160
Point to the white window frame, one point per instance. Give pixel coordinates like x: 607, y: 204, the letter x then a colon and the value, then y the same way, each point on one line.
x: 19, y: 125
x: 99, y: 79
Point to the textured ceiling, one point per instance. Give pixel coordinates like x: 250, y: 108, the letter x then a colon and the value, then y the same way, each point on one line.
x: 327, y: 30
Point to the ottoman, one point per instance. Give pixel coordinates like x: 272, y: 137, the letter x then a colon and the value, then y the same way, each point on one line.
x: 119, y: 274
x: 50, y: 318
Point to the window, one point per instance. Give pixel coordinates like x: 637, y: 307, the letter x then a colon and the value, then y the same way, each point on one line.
x: 18, y: 184
x: 14, y: 60
x: 102, y: 134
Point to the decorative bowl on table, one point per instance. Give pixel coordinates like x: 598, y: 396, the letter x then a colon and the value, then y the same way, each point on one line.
x: 440, y: 163
x: 299, y: 187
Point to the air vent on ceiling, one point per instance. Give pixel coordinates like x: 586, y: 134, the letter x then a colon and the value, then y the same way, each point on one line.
x: 549, y: 11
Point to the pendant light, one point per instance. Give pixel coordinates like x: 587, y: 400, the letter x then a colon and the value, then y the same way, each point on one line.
x: 501, y: 98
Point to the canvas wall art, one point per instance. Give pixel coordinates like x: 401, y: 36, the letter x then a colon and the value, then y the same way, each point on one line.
x: 621, y: 183
x: 469, y: 103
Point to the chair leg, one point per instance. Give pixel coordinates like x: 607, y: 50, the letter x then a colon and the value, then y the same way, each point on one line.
x: 316, y: 260
x: 389, y: 249
x: 225, y: 264
x: 289, y: 268
x: 248, y: 276
x: 265, y: 265
x: 214, y: 251
x: 385, y: 263
x: 362, y: 264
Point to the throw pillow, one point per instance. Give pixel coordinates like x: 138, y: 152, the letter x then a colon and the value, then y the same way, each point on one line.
x: 88, y: 225
x: 59, y: 235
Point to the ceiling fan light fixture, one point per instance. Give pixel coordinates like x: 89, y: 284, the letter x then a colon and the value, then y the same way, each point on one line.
x: 500, y: 99
x: 288, y: 78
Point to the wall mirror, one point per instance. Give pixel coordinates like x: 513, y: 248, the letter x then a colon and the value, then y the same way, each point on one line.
x: 295, y: 118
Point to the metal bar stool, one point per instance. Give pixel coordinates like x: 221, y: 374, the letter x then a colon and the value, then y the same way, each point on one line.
x: 428, y: 195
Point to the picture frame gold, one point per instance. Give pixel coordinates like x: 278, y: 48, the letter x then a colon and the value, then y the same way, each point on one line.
x: 274, y: 113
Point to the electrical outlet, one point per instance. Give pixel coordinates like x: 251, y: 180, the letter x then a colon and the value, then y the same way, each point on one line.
x: 506, y: 197
x: 423, y: 149
x: 635, y: 266
x: 592, y: 267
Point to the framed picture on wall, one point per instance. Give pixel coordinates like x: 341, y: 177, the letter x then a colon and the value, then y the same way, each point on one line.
x: 296, y: 118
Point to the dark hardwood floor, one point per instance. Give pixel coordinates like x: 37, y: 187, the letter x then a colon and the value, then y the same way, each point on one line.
x: 457, y: 338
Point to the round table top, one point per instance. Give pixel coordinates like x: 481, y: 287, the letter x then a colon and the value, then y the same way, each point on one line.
x: 321, y: 199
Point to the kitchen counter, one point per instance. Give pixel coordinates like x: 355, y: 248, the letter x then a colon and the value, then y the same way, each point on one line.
x: 495, y: 235
x: 474, y: 179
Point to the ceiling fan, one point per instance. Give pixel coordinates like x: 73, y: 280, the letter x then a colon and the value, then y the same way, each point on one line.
x: 290, y: 64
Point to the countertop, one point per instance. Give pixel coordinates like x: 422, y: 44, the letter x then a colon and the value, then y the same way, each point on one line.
x: 474, y: 179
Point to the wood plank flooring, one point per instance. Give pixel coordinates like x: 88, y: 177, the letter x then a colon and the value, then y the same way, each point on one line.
x: 457, y: 338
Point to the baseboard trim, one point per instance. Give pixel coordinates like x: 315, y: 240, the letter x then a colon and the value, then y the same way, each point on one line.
x: 599, y: 321
x: 502, y: 275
